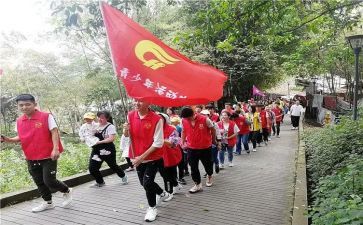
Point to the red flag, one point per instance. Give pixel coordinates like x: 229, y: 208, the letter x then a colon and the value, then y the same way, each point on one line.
x: 153, y: 72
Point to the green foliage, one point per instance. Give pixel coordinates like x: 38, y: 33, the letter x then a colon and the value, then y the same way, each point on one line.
x: 338, y: 198
x: 14, y: 175
x: 335, y: 165
x: 330, y: 148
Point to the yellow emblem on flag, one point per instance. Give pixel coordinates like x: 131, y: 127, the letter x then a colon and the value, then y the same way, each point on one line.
x: 162, y: 58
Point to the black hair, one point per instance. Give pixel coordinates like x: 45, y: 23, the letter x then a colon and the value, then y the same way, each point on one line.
x: 228, y: 103
x: 238, y: 111
x: 25, y: 97
x: 210, y: 106
x: 199, y: 106
x: 253, y: 108
x: 171, y: 109
x: 186, y: 112
x: 107, y: 114
x: 234, y: 115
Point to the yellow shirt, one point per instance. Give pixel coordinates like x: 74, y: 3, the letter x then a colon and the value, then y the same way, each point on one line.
x: 256, y: 122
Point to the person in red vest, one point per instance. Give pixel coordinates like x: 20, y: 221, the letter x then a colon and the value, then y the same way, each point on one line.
x: 145, y: 129
x: 243, y: 125
x: 172, y: 157
x: 214, y: 116
x: 198, y: 133
x: 264, y: 124
x: 229, y: 132
x: 278, y: 119
x: 40, y: 141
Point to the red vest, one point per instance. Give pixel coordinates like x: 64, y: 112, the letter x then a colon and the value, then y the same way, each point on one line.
x: 263, y: 119
x: 198, y: 136
x: 232, y: 141
x: 214, y: 117
x: 35, y: 137
x: 278, y: 114
x: 142, y: 134
x: 172, y: 156
x: 243, y: 127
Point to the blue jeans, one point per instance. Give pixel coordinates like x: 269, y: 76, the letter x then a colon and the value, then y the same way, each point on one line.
x: 215, y: 155
x: 225, y: 148
x: 242, y: 138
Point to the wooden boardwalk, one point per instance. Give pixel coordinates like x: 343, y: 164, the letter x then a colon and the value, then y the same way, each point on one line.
x: 257, y: 190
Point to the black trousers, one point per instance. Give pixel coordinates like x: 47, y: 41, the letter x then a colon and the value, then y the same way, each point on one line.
x: 96, y: 161
x: 170, y: 178
x: 146, y: 173
x: 205, y: 156
x: 182, y: 164
x: 129, y: 163
x: 256, y: 138
x: 44, y: 174
x: 265, y: 134
x: 276, y: 128
x: 295, y: 121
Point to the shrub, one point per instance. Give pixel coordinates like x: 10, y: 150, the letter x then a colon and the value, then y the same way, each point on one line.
x: 328, y: 149
x: 338, y: 197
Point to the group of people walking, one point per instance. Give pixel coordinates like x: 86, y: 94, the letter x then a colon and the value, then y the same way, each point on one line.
x: 152, y: 142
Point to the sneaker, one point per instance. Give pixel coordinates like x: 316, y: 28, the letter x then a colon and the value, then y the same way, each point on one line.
x: 273, y: 134
x: 254, y: 150
x: 209, y: 181
x: 230, y: 164
x: 169, y: 198
x: 182, y: 181
x: 259, y: 145
x: 44, y: 206
x: 278, y: 136
x: 97, y: 185
x: 125, y: 180
x: 129, y: 169
x: 67, y: 198
x: 205, y: 175
x: 187, y: 173
x: 265, y: 143
x: 269, y: 138
x: 151, y: 214
x: 221, y: 166
x: 248, y: 151
x: 196, y: 188
x: 293, y: 128
x: 162, y: 197
x: 177, y: 189
x: 217, y: 169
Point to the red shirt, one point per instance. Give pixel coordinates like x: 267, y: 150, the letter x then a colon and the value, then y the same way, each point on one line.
x: 241, y: 123
x: 142, y: 134
x: 198, y: 136
x: 35, y: 136
x: 278, y: 114
x: 215, y: 117
x: 263, y: 119
x: 171, y: 156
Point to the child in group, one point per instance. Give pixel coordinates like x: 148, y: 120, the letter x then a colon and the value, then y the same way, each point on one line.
x: 88, y: 129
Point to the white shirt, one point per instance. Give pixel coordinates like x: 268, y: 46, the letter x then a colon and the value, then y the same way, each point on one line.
x: 86, y: 133
x: 51, y: 123
x: 296, y: 110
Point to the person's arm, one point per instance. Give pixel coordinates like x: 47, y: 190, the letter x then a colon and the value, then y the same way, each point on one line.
x: 10, y: 140
x: 55, y: 140
x: 213, y: 130
x: 158, y: 143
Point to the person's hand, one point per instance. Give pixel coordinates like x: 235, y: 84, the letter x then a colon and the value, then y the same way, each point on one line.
x: 137, y: 161
x: 55, y: 154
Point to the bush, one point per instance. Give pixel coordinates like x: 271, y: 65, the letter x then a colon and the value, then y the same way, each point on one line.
x: 338, y: 197
x: 14, y: 174
x: 328, y: 149
x: 335, y: 165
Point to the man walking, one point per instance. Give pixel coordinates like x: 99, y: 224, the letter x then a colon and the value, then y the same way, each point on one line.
x: 295, y: 112
x: 40, y: 141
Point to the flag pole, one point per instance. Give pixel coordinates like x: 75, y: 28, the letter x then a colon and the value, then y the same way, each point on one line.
x: 114, y: 69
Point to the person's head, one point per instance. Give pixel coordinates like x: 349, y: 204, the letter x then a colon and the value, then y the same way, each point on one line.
x: 205, y: 112
x: 238, y: 112
x: 104, y: 117
x: 26, y: 103
x: 237, y: 107
x: 170, y: 111
x: 253, y: 109
x: 175, y: 120
x: 187, y: 113
x: 211, y: 108
x: 198, y: 108
x: 297, y: 102
x: 225, y: 116
x: 88, y: 117
x: 234, y: 115
x: 141, y: 105
x: 228, y: 106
